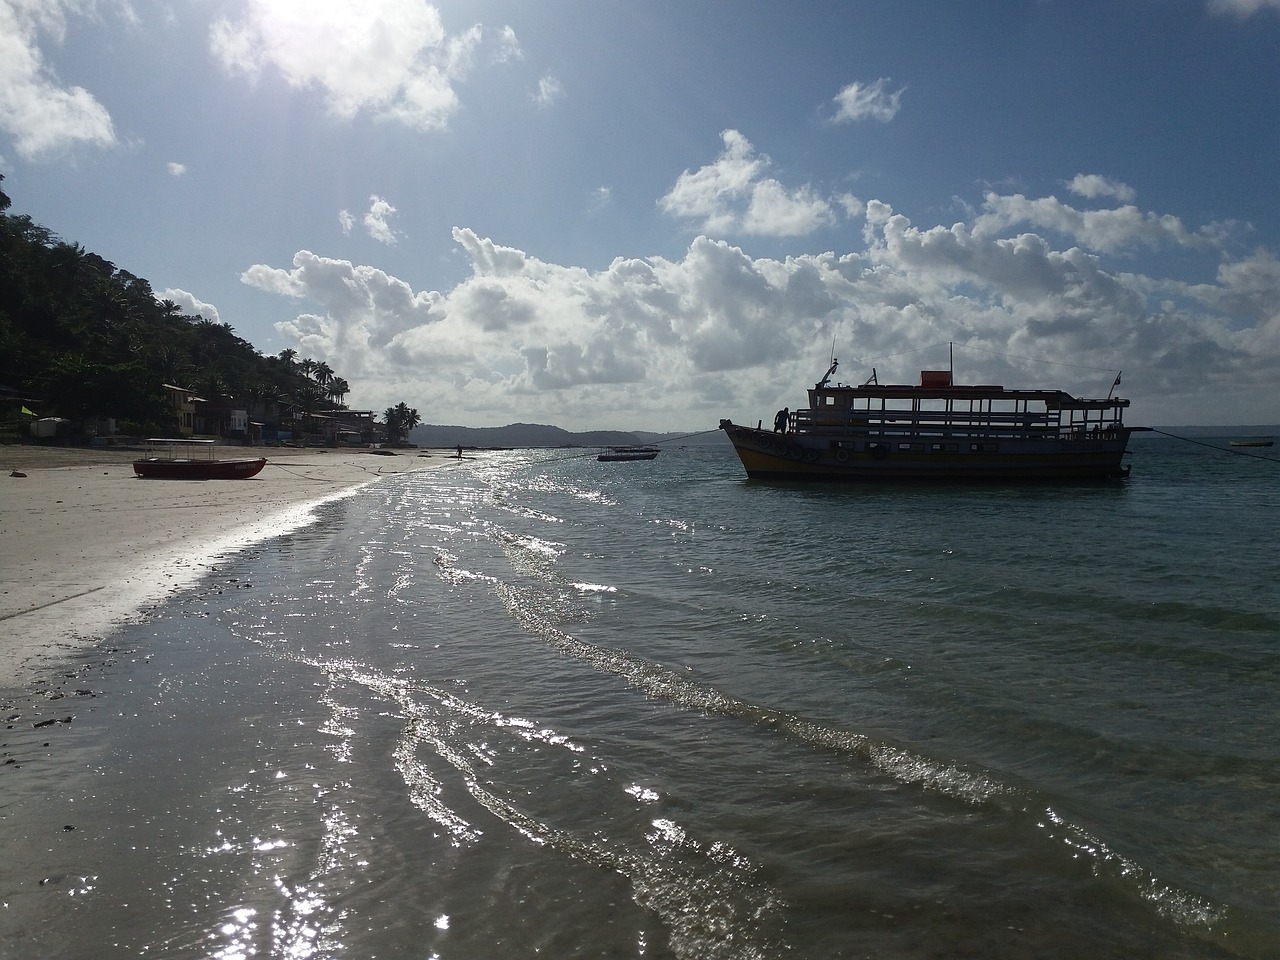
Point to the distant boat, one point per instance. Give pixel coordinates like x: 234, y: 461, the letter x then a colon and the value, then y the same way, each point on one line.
x: 937, y: 431
x: 1250, y: 443
x: 615, y: 454
x: 184, y: 459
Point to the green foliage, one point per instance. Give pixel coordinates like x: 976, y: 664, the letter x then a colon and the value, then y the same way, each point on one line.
x: 86, y: 339
x: 400, y: 420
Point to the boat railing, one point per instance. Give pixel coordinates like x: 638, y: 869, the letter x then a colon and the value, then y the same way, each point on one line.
x: 947, y: 425
x: 181, y: 448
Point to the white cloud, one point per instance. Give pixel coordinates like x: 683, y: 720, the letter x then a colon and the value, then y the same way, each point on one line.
x: 508, y: 47
x: 549, y: 91
x: 375, y: 221
x: 732, y: 195
x: 1091, y: 186
x: 677, y: 344
x: 176, y: 169
x: 1110, y: 230
x: 190, y: 304
x: 364, y: 307
x: 1243, y: 8
x: 346, y: 221
x: 867, y: 101
x: 43, y: 114
x: 392, y: 58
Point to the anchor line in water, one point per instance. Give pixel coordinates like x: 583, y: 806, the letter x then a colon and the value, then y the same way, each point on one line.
x: 1211, y: 446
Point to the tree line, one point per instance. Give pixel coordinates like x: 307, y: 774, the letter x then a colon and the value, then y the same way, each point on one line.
x: 85, y: 339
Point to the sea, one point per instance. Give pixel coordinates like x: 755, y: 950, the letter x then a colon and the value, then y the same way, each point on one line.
x: 527, y: 704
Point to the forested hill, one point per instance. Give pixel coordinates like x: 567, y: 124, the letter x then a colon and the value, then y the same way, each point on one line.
x: 516, y: 435
x: 81, y: 338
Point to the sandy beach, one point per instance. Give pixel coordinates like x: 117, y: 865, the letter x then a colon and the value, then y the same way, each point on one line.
x: 84, y: 543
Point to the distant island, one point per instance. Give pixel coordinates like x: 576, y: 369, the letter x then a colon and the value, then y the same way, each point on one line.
x: 515, y: 435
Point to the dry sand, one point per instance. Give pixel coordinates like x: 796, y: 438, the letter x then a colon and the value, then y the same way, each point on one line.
x: 84, y: 543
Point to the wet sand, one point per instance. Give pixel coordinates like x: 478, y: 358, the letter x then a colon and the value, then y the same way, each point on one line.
x: 84, y: 543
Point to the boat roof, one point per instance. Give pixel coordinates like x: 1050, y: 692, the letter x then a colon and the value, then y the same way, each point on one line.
x: 984, y: 391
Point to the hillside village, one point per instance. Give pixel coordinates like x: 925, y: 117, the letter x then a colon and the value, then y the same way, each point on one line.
x: 89, y: 354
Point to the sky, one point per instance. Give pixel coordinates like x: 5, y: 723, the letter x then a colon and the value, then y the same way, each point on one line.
x: 655, y: 214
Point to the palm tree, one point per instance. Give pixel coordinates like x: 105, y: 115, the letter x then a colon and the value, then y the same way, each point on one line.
x: 400, y: 420
x: 337, y: 389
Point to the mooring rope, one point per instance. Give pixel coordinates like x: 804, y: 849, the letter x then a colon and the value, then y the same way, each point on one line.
x: 1214, y: 446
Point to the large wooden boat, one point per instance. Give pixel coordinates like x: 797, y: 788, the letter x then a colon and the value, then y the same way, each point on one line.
x: 184, y: 459
x: 937, y: 430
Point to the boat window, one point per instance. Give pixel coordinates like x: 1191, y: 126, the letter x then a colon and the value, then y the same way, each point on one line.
x: 946, y: 448
x: 984, y: 447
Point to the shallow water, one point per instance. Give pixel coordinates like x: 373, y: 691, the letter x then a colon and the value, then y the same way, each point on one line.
x: 534, y: 704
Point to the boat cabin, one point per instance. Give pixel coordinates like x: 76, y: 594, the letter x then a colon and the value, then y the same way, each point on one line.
x: 938, y: 408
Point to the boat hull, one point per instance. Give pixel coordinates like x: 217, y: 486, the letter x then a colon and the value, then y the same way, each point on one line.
x: 811, y: 457
x: 165, y: 468
x: 622, y: 454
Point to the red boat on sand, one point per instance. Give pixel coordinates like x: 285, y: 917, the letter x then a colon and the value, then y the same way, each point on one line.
x: 184, y: 459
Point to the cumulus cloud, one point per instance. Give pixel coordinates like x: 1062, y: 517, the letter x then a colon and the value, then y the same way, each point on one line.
x: 365, y: 308
x: 176, y: 169
x: 1110, y: 230
x: 1091, y: 186
x: 733, y: 195
x: 376, y: 220
x: 43, y: 114
x: 392, y: 58
x: 868, y: 101
x: 189, y: 304
x: 679, y: 343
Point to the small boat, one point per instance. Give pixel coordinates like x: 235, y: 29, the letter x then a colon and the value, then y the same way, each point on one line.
x: 1251, y: 443
x: 184, y: 459
x: 615, y: 454
x: 937, y: 430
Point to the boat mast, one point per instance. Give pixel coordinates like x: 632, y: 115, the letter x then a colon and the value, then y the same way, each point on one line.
x: 951, y: 361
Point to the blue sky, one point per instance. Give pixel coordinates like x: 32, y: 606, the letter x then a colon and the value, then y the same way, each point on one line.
x: 657, y: 214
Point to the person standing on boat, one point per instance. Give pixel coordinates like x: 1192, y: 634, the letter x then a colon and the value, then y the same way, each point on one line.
x: 780, y: 420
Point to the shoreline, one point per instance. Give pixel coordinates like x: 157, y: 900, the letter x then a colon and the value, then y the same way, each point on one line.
x: 86, y: 545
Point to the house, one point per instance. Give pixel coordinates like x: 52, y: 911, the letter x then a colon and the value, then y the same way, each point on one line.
x: 183, y: 404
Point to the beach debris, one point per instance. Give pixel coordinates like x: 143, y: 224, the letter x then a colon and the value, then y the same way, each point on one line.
x: 48, y: 723
x: 17, y: 473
